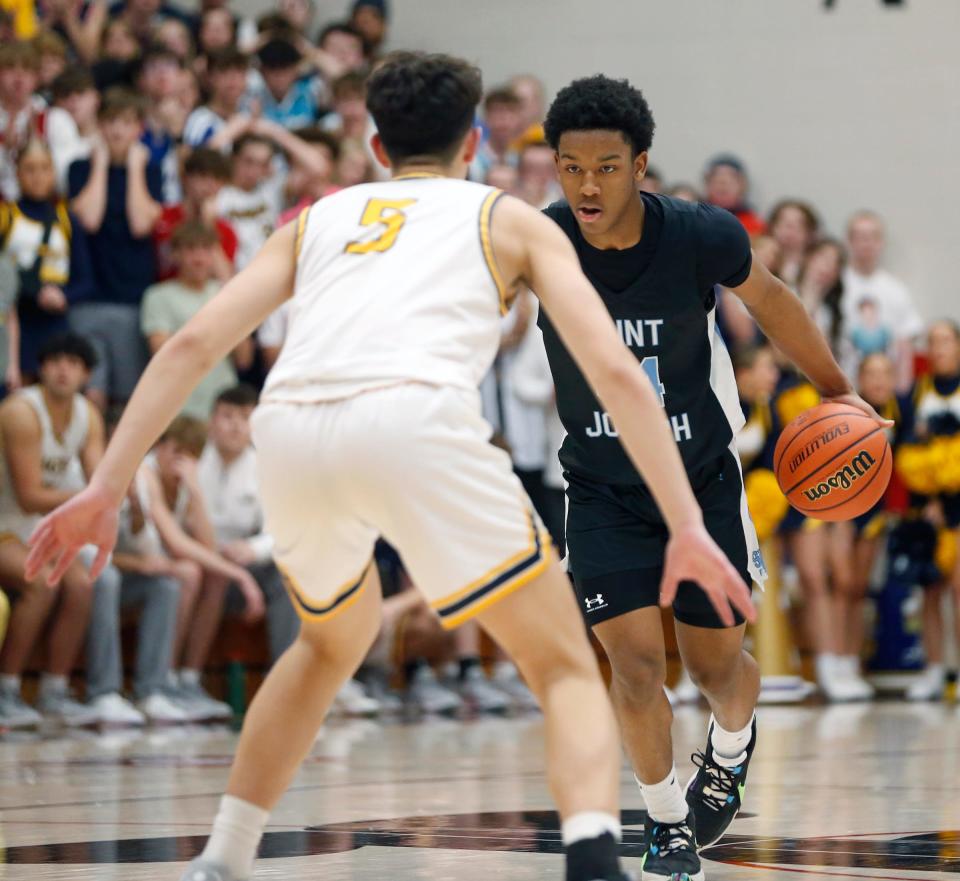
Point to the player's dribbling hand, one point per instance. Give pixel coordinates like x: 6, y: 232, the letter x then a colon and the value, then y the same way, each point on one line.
x: 90, y: 517
x: 693, y: 556
x: 854, y: 400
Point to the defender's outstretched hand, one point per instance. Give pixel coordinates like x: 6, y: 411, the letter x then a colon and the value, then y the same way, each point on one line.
x: 89, y: 518
x: 693, y: 556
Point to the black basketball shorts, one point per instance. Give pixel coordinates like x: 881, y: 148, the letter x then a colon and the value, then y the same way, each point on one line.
x: 616, y: 540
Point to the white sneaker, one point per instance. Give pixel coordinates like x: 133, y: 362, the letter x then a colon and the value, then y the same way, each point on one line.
x: 929, y: 685
x: 15, y: 712
x: 849, y: 668
x: 353, y: 700
x: 684, y: 691
x: 204, y: 870
x: 429, y: 695
x: 159, y: 708
x: 57, y: 705
x: 481, y: 694
x: 507, y: 678
x: 114, y: 709
x: 198, y: 704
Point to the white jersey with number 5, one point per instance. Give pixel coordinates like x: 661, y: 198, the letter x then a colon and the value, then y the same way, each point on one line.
x: 395, y: 282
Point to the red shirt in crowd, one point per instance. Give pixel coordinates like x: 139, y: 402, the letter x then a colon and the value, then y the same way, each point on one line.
x: 170, y: 219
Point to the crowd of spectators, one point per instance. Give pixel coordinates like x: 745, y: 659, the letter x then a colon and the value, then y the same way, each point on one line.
x: 145, y: 156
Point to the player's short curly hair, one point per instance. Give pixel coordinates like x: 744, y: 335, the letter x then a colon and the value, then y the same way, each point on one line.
x: 598, y: 102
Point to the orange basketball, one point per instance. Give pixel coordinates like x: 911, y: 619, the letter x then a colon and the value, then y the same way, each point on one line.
x: 833, y: 462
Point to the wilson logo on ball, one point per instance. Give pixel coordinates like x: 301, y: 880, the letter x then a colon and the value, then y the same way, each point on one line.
x: 829, y: 435
x: 844, y: 478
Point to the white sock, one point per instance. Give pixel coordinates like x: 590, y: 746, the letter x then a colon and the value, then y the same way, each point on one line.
x: 665, y: 800
x: 589, y: 824
x: 730, y: 747
x: 10, y: 683
x: 51, y: 682
x: 237, y: 830
x: 189, y: 677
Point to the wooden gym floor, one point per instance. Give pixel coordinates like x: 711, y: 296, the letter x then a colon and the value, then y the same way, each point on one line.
x: 845, y: 792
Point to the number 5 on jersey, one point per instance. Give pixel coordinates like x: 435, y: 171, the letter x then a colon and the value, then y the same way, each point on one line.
x: 389, y: 213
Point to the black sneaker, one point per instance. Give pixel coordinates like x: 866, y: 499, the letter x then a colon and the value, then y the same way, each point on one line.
x: 670, y: 851
x: 715, y: 793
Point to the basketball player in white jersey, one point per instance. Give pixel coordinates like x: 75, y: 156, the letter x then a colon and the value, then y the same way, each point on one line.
x: 51, y: 435
x: 370, y: 425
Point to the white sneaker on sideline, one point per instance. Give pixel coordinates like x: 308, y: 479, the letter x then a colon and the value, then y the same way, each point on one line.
x: 426, y: 693
x: 204, y: 870
x: 158, y: 708
x: 507, y: 678
x: 849, y: 669
x: 353, y: 700
x: 15, y: 712
x: 929, y: 685
x: 482, y: 694
x: 58, y: 705
x: 114, y: 709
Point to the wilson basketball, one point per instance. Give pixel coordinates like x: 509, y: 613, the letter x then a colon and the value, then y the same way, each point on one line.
x: 833, y: 462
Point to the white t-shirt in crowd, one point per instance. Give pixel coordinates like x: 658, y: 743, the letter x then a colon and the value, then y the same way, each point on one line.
x: 252, y: 214
x: 878, y: 310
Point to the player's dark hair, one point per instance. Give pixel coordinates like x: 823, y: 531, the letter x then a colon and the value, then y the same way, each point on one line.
x: 423, y: 104
x: 598, y: 102
x: 241, y: 395
x: 68, y: 344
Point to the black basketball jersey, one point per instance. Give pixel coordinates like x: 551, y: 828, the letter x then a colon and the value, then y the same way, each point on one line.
x: 666, y: 317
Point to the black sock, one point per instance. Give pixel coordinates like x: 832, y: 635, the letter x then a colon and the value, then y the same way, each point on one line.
x: 467, y: 664
x: 411, y: 667
x: 594, y: 858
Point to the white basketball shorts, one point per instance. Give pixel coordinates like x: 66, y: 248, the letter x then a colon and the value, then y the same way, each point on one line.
x: 411, y: 463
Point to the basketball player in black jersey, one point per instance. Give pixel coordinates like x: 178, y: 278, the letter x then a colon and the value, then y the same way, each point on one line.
x: 656, y: 263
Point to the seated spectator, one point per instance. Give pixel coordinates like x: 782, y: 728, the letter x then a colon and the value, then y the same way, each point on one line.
x: 149, y: 579
x: 143, y: 17
x: 116, y: 196
x: 794, y: 226
x: 726, y: 185
x: 169, y: 305
x: 173, y: 500
x: 228, y: 477
x: 119, y: 50
x: 243, y: 30
x: 252, y: 202
x: 222, y: 120
x: 879, y: 310
x: 158, y: 81
x: 52, y: 52
x: 9, y: 325
x: 503, y: 124
x: 767, y: 250
x: 344, y: 44
x: 537, y: 168
x: 298, y: 14
x: 205, y: 173
x: 350, y: 119
x: 50, y: 251
x: 820, y: 289
x: 530, y: 91
x: 52, y: 437
x: 175, y: 36
x: 218, y: 31
x: 22, y: 112
x: 75, y: 92
x: 287, y: 97
x: 370, y: 18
